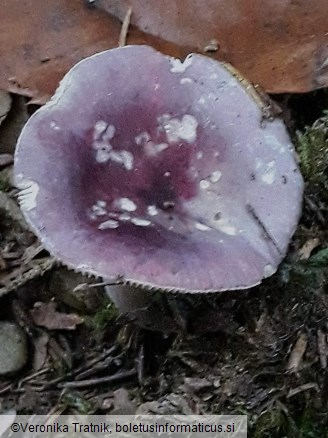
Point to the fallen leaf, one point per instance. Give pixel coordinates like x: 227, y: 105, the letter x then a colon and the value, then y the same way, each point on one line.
x: 281, y: 45
x: 322, y: 342
x: 5, y: 104
x: 6, y: 159
x: 297, y: 353
x: 12, y: 126
x: 40, y: 44
x: 45, y: 315
x: 308, y: 247
x: 40, y: 350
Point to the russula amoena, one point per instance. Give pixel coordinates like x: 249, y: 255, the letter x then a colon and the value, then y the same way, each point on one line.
x: 160, y: 173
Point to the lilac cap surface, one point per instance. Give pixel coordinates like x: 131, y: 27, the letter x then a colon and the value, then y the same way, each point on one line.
x: 159, y: 172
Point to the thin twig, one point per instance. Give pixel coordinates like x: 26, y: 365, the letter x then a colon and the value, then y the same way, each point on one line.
x: 266, y: 233
x: 125, y: 28
x: 93, y: 382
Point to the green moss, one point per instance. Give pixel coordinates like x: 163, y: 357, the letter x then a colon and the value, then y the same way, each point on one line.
x: 312, y: 147
x: 99, y: 322
x: 4, y: 182
x: 310, y: 427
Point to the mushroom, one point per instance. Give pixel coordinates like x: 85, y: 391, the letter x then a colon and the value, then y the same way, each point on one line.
x: 159, y: 174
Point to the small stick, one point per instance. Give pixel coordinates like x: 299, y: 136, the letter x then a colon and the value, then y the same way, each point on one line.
x: 93, y: 382
x: 125, y: 28
x: 266, y: 233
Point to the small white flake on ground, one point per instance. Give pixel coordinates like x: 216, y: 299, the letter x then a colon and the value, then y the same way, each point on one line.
x: 140, y: 222
x: 179, y: 67
x: 110, y: 224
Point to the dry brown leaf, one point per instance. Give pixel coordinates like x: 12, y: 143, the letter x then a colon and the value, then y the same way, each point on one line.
x: 281, y: 45
x: 308, y: 247
x: 45, y: 315
x: 40, y: 43
x: 297, y: 353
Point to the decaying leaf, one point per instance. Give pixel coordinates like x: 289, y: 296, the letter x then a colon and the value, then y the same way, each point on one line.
x: 5, y: 104
x: 308, y: 247
x: 46, y: 315
x: 281, y: 45
x: 322, y: 342
x: 40, y: 43
x: 297, y: 353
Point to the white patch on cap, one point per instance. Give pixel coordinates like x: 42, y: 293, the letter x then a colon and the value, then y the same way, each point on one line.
x: 185, y: 81
x: 225, y: 227
x: 177, y: 130
x: 152, y: 210
x: 268, y: 270
x: 99, y: 129
x: 152, y: 149
x: 204, y: 184
x: 102, y: 134
x: 269, y: 174
x: 103, y: 130
x: 199, y: 155
x: 54, y: 126
x: 126, y: 204
x: 202, y: 227
x: 110, y: 224
x: 98, y: 209
x: 28, y: 194
x: 102, y: 152
x: 179, y: 67
x: 214, y: 76
x: 140, y: 222
x: 122, y: 157
x: 124, y: 217
x: 215, y: 176
x: 167, y: 174
x: 202, y: 101
x: 142, y: 138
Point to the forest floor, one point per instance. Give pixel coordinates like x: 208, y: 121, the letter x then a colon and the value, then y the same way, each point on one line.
x: 267, y: 358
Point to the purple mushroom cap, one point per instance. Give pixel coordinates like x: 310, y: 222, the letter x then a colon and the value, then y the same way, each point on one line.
x: 159, y: 172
